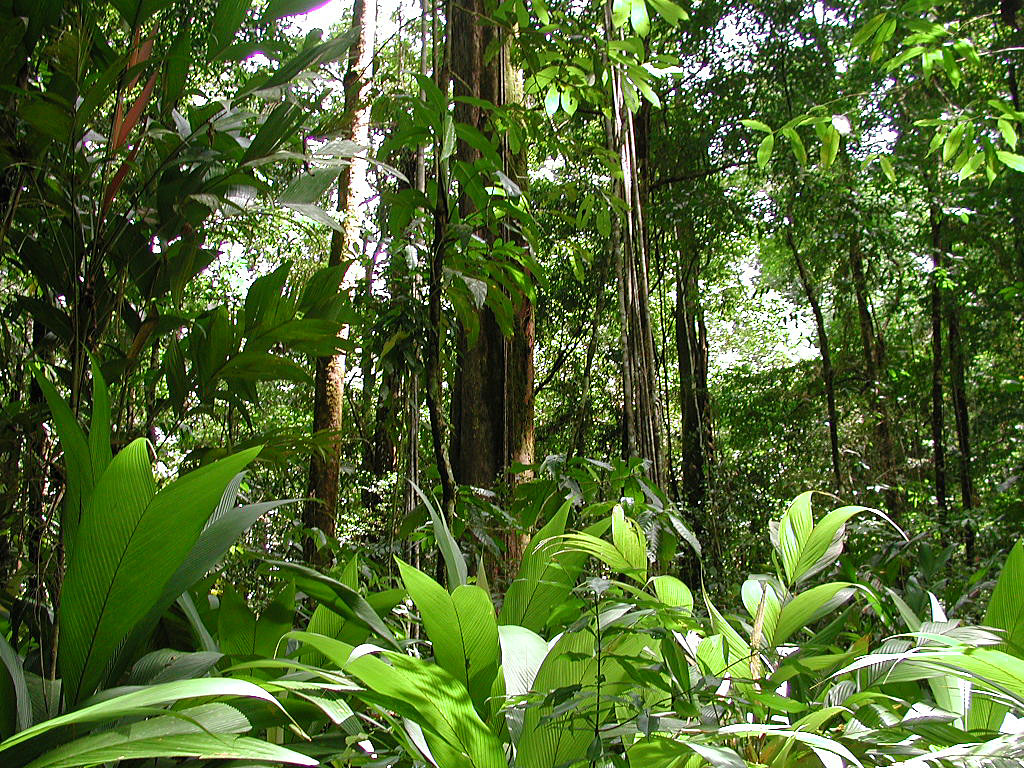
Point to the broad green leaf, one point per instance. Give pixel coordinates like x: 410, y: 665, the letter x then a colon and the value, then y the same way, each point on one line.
x: 552, y: 99
x: 209, y: 731
x: 341, y: 599
x: 672, y: 592
x: 15, y: 693
x: 829, y: 146
x: 1008, y: 131
x: 547, y: 575
x: 639, y: 18
x: 753, y: 592
x: 809, y: 606
x: 764, y: 151
x: 142, y: 701
x: 553, y: 738
x: 661, y: 751
x: 1006, y: 612
x: 797, y: 144
x: 462, y: 629
x: 864, y: 33
x: 227, y: 18
x: 81, y: 476
x: 99, y: 422
x: 1016, y: 162
x: 631, y: 542
x: 454, y: 560
x: 887, y: 168
x: 130, y: 543
x: 669, y: 11
x: 756, y: 125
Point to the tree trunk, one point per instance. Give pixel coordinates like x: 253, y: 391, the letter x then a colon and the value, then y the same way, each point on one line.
x: 938, y: 425
x: 958, y: 391
x: 478, y: 405
x: 640, y: 432
x: 872, y: 364
x: 320, y: 511
x: 688, y: 351
x: 827, y: 373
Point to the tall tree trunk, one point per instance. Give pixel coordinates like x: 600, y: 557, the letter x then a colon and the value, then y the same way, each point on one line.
x: 958, y: 391
x: 640, y: 432
x: 583, y: 411
x: 827, y: 372
x: 688, y: 352
x: 320, y: 511
x: 872, y: 363
x: 938, y: 422
x: 478, y: 399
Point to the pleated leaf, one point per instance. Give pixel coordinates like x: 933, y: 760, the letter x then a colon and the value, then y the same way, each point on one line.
x: 141, y: 702
x: 462, y: 629
x: 130, y: 542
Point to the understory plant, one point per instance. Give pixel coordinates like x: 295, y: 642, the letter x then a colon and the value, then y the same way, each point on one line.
x: 593, y: 655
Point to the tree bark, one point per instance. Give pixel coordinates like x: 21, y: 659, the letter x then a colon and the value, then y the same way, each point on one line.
x: 689, y: 354
x: 640, y: 432
x: 872, y: 363
x: 320, y: 511
x: 938, y: 424
x: 827, y: 372
x: 958, y: 391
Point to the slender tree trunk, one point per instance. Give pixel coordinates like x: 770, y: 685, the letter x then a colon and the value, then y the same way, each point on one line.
x: 688, y: 353
x: 938, y: 423
x: 320, y: 511
x: 640, y: 433
x: 958, y: 391
x: 827, y: 373
x: 583, y: 412
x: 872, y: 359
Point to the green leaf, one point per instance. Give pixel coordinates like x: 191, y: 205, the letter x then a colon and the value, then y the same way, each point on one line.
x: 142, y: 701
x: 227, y: 18
x: 1016, y: 162
x: 551, y: 100
x: 1008, y: 131
x: 809, y: 606
x: 462, y: 629
x: 424, y: 693
x: 454, y: 561
x: 631, y: 542
x: 99, y: 423
x: 1006, y: 612
x: 887, y: 168
x: 669, y: 11
x: 554, y: 738
x: 278, y: 9
x: 797, y: 144
x: 205, y: 732
x: 20, y: 705
x: 661, y: 751
x: 752, y: 593
x: 864, y: 33
x: 756, y: 125
x: 281, y: 122
x: 829, y: 146
x: 341, y: 599
x: 638, y: 17
x: 78, y: 465
x: 764, y: 151
x: 547, y: 575
x: 672, y: 592
x: 131, y: 541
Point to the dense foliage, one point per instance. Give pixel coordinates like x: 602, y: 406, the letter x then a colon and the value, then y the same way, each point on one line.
x: 422, y: 391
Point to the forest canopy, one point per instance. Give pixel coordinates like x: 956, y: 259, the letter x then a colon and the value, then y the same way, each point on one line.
x: 524, y: 383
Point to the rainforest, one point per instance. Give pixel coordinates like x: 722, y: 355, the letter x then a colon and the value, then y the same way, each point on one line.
x: 511, y: 383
